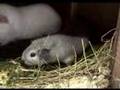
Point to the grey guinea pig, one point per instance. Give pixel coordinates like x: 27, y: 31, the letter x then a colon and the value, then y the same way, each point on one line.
x: 27, y: 22
x: 52, y: 48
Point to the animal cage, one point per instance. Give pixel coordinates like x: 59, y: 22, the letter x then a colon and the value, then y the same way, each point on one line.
x: 97, y: 67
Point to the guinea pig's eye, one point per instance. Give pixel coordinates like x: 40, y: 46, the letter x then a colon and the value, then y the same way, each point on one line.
x: 33, y: 54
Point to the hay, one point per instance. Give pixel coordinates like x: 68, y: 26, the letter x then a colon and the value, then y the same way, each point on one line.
x: 91, y: 71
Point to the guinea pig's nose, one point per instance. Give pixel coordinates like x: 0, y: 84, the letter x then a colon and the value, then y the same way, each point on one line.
x: 44, y: 53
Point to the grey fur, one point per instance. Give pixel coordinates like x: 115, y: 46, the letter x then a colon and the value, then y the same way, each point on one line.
x: 60, y: 46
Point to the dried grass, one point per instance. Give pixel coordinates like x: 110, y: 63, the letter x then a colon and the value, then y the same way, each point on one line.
x: 91, y: 71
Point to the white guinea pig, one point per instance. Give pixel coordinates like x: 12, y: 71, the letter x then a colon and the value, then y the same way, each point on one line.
x: 27, y: 22
x: 49, y: 49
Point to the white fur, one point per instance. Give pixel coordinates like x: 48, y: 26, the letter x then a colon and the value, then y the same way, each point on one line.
x: 28, y: 22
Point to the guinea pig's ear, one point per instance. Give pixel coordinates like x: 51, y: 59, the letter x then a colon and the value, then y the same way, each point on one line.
x: 3, y: 19
x: 44, y: 53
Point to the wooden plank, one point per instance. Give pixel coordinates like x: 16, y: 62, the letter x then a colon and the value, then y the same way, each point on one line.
x: 115, y: 80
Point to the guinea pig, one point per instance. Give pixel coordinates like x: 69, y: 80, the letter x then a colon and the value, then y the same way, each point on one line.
x: 26, y: 22
x: 50, y: 49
